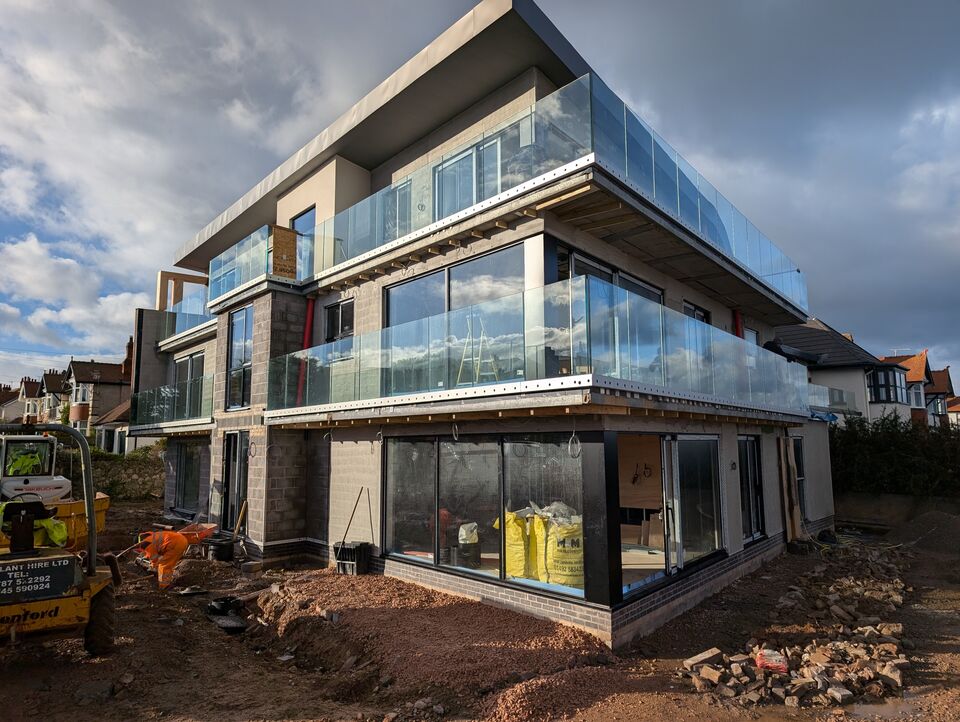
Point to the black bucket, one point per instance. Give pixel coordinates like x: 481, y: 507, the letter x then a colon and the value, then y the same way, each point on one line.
x: 221, y: 549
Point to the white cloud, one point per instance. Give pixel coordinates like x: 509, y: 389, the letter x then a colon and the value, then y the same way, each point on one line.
x: 18, y: 191
x: 243, y: 116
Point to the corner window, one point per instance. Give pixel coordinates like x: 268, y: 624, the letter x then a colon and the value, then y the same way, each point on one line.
x: 338, y: 322
x: 240, y: 358
x: 81, y: 393
x: 888, y: 386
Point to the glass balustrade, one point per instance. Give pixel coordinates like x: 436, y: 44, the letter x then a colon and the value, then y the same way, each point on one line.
x: 826, y: 398
x: 190, y: 312
x: 581, y: 326
x: 581, y: 118
x: 241, y: 263
x: 187, y: 400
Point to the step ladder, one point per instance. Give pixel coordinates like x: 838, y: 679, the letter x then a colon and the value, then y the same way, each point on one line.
x: 475, y: 356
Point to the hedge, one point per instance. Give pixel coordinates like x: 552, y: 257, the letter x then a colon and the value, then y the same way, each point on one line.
x: 890, y: 455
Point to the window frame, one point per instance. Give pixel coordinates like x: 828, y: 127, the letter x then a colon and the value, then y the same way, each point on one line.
x: 245, y: 368
x: 756, y: 492
x: 800, y: 463
x: 445, y: 270
x: 339, y: 306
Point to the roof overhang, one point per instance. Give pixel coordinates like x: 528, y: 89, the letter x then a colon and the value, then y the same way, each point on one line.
x: 492, y: 44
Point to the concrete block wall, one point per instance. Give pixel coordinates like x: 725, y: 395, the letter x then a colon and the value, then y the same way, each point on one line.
x: 317, y: 486
x: 355, y: 464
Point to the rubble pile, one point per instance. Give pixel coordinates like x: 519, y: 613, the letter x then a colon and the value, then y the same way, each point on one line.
x: 853, y: 653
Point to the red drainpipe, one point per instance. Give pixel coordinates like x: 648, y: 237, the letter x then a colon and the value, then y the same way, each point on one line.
x: 738, y: 324
x: 307, y: 343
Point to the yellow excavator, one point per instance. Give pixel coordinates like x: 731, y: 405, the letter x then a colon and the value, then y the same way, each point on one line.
x: 52, y: 584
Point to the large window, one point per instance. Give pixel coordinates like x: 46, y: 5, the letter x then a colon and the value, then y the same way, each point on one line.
x: 305, y: 225
x: 888, y: 386
x: 468, y: 528
x: 642, y: 519
x: 189, y: 381
x: 698, y: 467
x: 444, y: 496
x: 411, y: 497
x: 240, y: 358
x: 751, y: 487
x: 479, y: 280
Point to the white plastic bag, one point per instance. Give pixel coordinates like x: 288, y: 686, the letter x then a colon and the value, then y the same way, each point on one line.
x: 468, y: 533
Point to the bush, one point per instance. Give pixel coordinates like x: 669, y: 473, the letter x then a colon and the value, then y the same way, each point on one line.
x: 893, y: 456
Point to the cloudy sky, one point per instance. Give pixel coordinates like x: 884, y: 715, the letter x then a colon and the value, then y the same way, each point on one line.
x: 126, y: 127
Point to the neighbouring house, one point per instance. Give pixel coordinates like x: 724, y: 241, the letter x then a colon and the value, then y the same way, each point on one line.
x: 96, y: 387
x: 953, y: 410
x: 848, y: 380
x: 11, y: 408
x: 937, y: 393
x: 927, y: 389
x: 491, y: 306
x: 111, y: 431
x: 29, y: 398
x: 54, y: 393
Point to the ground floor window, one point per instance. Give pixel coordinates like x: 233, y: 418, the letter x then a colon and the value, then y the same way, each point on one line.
x: 509, y: 507
x: 698, y: 497
x: 236, y: 453
x: 642, y: 519
x: 751, y: 487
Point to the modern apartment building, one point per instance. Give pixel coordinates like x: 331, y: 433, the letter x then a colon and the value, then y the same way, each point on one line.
x: 494, y: 324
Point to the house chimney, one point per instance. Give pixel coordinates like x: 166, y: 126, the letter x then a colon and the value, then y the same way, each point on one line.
x: 127, y: 364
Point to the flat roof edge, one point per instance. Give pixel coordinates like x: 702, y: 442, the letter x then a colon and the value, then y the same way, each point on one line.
x: 325, y: 144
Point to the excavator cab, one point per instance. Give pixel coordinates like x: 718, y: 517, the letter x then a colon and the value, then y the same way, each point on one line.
x: 48, y: 588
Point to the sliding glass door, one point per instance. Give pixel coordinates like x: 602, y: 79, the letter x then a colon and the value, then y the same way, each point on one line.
x: 693, y: 499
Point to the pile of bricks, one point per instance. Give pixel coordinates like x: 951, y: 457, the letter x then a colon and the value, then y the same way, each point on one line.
x: 853, y: 655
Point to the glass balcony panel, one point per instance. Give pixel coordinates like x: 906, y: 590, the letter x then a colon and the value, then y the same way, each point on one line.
x: 609, y: 127
x: 639, y: 154
x: 665, y: 176
x: 689, y: 196
x: 581, y: 326
x: 187, y: 400
x: 240, y: 263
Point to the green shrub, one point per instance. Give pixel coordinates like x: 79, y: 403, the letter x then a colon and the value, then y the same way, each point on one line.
x: 893, y: 456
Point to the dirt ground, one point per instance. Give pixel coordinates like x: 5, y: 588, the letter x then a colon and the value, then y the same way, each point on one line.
x: 328, y: 647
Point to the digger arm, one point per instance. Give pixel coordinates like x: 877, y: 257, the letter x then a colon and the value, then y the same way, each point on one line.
x: 86, y: 468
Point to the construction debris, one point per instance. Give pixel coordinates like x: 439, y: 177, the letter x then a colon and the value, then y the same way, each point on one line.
x: 854, y: 654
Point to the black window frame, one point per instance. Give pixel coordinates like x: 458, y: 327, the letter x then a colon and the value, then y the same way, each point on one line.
x: 799, y: 460
x: 758, y: 524
x: 887, y: 386
x: 337, y: 308
x: 698, y: 313
x: 183, y: 449
x: 445, y: 270
x: 245, y: 368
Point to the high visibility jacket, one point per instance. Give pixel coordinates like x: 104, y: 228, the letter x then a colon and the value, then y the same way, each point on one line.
x: 164, y: 549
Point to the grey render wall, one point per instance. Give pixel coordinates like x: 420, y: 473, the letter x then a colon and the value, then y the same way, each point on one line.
x: 819, y: 484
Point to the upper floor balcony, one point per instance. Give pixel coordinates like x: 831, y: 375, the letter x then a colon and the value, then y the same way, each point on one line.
x: 186, y: 315
x: 190, y: 400
x: 574, y: 329
x: 827, y: 398
x: 580, y: 124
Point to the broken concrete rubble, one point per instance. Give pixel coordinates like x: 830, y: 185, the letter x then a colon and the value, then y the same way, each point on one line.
x: 854, y: 654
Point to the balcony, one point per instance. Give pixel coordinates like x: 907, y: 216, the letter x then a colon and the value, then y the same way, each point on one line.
x: 270, y: 250
x: 186, y: 401
x: 826, y: 398
x: 186, y: 314
x: 582, y: 119
x: 575, y: 328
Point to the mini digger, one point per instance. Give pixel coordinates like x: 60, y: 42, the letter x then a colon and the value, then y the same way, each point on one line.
x: 52, y: 584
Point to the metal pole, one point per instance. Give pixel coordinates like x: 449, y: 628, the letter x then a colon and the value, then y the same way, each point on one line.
x: 86, y: 468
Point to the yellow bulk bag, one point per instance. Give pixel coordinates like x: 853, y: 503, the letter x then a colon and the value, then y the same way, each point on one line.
x: 565, y: 554
x: 537, y: 548
x: 515, y: 533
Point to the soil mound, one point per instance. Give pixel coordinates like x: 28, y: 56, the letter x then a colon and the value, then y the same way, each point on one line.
x: 935, y: 531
